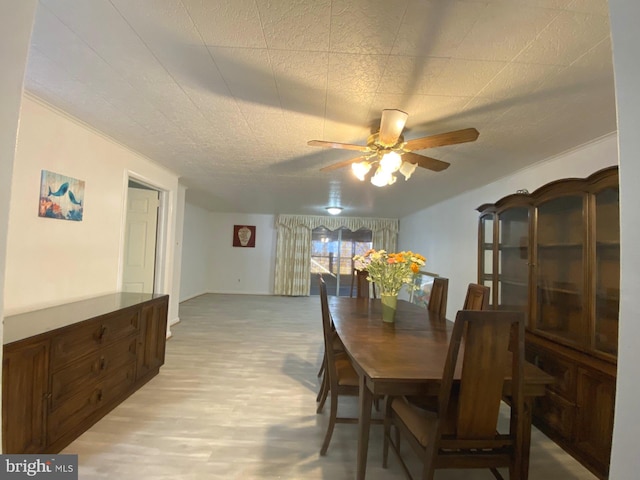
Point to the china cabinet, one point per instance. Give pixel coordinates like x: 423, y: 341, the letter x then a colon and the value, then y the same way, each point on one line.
x: 555, y: 254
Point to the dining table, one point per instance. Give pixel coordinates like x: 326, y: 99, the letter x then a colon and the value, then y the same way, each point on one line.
x: 407, y: 357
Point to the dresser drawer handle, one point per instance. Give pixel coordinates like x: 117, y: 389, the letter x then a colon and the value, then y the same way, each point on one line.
x: 99, y: 396
x: 103, y: 331
x: 103, y: 363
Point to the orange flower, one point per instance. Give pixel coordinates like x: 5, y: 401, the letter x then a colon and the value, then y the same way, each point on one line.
x: 415, y: 268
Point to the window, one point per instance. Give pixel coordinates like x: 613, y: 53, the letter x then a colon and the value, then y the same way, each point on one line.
x: 332, y: 255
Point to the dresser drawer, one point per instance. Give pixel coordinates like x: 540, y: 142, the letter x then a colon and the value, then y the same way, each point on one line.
x: 90, y: 369
x: 564, y: 372
x: 85, y: 338
x: 81, y: 408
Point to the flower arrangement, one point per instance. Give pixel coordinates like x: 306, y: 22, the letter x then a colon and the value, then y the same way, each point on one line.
x: 390, y: 271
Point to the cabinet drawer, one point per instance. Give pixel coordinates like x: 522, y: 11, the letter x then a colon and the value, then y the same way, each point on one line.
x: 88, y: 336
x: 80, y: 409
x: 557, y: 413
x: 563, y: 371
x: 90, y: 369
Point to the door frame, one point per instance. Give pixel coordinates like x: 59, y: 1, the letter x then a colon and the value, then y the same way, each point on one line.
x: 161, y: 230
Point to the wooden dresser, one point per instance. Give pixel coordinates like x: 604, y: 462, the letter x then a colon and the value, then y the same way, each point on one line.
x: 555, y: 255
x: 65, y: 367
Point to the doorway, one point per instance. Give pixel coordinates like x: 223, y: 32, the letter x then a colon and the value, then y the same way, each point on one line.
x: 139, y: 261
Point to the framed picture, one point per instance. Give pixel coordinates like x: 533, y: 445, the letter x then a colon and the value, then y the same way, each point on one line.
x: 61, y: 197
x: 244, y: 236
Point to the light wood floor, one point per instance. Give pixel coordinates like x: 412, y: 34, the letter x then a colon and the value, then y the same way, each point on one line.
x: 236, y: 400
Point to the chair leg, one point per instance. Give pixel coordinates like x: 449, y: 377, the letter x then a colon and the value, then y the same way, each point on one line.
x: 322, y: 394
x: 387, y: 433
x: 498, y: 476
x: 332, y: 423
x: 322, y: 365
x: 322, y: 382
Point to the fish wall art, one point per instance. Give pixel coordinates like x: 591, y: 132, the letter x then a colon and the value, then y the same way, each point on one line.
x: 61, y: 197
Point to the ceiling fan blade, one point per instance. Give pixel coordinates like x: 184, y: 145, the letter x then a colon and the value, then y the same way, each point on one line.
x: 425, y: 162
x: 344, y: 146
x: 442, y: 139
x: 391, y: 125
x: 344, y: 163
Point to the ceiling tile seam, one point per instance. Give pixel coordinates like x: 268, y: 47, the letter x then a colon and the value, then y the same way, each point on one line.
x: 79, y: 80
x: 213, y: 60
x: 326, y: 83
x: 117, y: 73
x: 204, y: 117
x: 386, y: 64
x: 100, y: 133
x: 273, y: 75
x: 475, y: 21
x: 542, y: 30
x: 604, y: 39
x: 512, y: 61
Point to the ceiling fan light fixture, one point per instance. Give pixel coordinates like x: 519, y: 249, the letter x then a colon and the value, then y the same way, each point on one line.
x: 382, y: 178
x: 360, y: 169
x: 407, y: 169
x: 390, y: 162
x: 334, y: 210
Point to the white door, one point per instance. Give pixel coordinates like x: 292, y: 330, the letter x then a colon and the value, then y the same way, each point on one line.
x: 140, y: 241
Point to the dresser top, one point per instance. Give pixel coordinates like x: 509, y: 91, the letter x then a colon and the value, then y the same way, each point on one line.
x: 28, y: 324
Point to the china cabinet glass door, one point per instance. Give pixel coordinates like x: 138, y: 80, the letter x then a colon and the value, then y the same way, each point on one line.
x: 513, y: 278
x: 607, y: 271
x: 560, y: 275
x: 486, y: 257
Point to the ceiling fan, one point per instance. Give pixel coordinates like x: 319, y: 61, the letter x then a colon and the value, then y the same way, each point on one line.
x: 391, y: 153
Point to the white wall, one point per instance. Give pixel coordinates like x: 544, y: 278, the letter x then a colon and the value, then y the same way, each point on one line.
x: 53, y: 261
x: 625, y: 461
x: 242, y: 270
x: 196, y: 252
x: 210, y: 262
x: 447, y: 233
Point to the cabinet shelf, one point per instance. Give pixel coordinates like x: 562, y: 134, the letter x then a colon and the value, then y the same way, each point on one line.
x: 512, y: 281
x: 607, y: 243
x: 561, y: 245
x: 566, y: 291
x: 503, y: 246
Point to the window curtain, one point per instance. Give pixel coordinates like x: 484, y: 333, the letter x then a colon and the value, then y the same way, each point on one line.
x: 293, y: 249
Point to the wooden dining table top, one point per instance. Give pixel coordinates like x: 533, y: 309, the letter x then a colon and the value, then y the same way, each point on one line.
x: 412, y: 349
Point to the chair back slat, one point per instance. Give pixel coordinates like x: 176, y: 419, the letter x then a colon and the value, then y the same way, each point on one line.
x: 485, y: 361
x: 438, y: 296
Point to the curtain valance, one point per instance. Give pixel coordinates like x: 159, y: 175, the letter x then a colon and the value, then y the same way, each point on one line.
x: 391, y: 225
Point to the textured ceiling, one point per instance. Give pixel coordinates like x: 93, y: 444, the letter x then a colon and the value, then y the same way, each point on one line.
x: 227, y: 92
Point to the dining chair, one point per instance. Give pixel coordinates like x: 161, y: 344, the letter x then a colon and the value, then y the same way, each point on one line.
x: 342, y: 379
x: 361, y: 284
x: 324, y: 385
x: 438, y: 296
x: 462, y: 431
x: 477, y: 297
